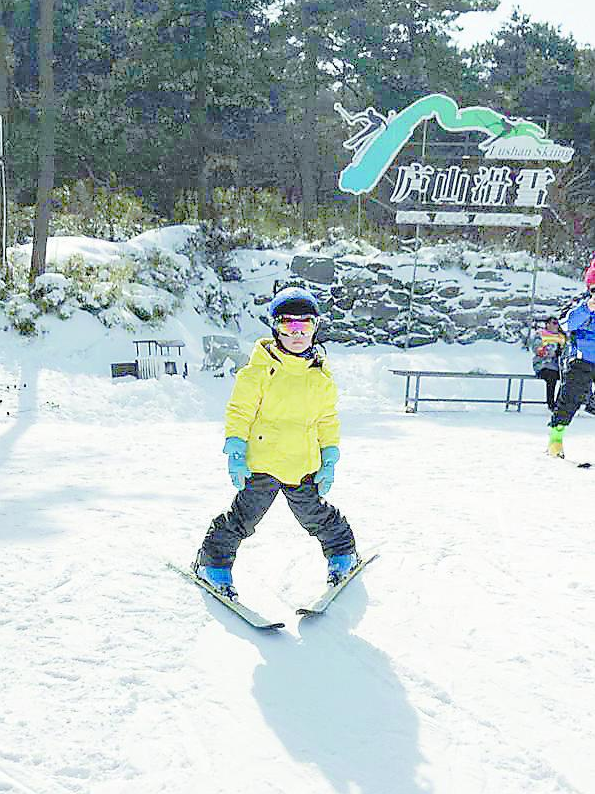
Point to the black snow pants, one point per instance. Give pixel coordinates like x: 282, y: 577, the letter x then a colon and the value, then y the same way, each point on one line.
x: 575, y: 390
x: 319, y: 518
x: 551, y: 377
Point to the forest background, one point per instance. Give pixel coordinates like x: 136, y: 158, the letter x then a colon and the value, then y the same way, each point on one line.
x: 120, y: 115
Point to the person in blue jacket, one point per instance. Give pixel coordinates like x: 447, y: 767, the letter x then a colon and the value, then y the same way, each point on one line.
x: 577, y: 321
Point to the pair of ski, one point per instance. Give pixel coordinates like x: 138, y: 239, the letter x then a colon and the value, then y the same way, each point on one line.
x: 256, y: 620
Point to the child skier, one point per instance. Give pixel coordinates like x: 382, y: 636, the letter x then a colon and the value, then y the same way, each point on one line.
x: 578, y: 373
x: 281, y: 434
x: 547, y: 346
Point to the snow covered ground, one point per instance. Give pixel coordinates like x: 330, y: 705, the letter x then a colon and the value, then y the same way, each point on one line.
x: 461, y: 662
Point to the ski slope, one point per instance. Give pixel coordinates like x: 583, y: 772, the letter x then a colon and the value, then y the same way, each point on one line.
x: 460, y: 662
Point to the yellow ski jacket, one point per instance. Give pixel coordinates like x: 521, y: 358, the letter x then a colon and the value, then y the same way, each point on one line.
x: 285, y: 407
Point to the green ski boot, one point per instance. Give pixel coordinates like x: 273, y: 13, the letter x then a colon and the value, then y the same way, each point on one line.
x: 554, y: 447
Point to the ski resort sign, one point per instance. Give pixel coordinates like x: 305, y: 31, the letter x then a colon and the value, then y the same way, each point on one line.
x: 380, y: 140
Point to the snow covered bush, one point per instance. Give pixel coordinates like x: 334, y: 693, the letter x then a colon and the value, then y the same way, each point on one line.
x: 101, y: 286
x: 84, y: 274
x: 76, y: 269
x: 212, y: 299
x: 22, y: 314
x: 51, y: 292
x: 100, y: 295
x: 133, y: 286
x: 218, y: 244
x: 149, y: 304
x: 211, y: 245
x: 166, y: 272
x: 95, y: 286
x: 115, y: 285
x: 119, y: 316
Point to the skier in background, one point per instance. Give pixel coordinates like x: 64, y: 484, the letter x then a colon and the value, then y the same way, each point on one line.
x: 547, y: 346
x: 577, y: 321
x: 281, y: 434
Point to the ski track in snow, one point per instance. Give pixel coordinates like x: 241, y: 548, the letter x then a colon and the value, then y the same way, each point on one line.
x: 460, y: 662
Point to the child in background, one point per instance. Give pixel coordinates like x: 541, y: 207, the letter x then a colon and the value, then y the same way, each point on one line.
x: 547, y: 346
x: 281, y: 434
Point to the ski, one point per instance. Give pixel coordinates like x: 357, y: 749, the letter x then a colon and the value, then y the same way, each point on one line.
x: 319, y: 606
x: 583, y: 465
x: 244, y: 612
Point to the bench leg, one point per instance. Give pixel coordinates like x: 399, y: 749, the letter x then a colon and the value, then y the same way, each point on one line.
x: 407, y: 381
x: 417, y: 382
x: 508, y: 390
x: 520, y: 403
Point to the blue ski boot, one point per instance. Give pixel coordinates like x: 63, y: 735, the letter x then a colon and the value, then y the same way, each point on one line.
x: 219, y: 578
x: 339, y: 565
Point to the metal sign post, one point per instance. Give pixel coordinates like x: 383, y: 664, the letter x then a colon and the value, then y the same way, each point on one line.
x: 417, y: 244
x: 537, y: 255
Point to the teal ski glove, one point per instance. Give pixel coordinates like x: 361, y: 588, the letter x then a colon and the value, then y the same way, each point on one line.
x: 325, y: 476
x: 236, y: 464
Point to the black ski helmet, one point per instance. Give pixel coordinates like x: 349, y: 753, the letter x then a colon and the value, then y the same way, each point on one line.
x: 296, y: 301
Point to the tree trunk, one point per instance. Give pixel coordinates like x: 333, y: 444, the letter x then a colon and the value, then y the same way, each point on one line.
x: 308, y: 137
x: 199, y: 112
x: 46, y: 146
x: 5, y: 273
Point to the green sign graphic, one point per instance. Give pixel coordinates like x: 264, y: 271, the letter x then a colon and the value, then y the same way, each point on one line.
x: 381, y: 138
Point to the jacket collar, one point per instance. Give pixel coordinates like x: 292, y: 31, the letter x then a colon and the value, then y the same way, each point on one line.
x: 267, y: 352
